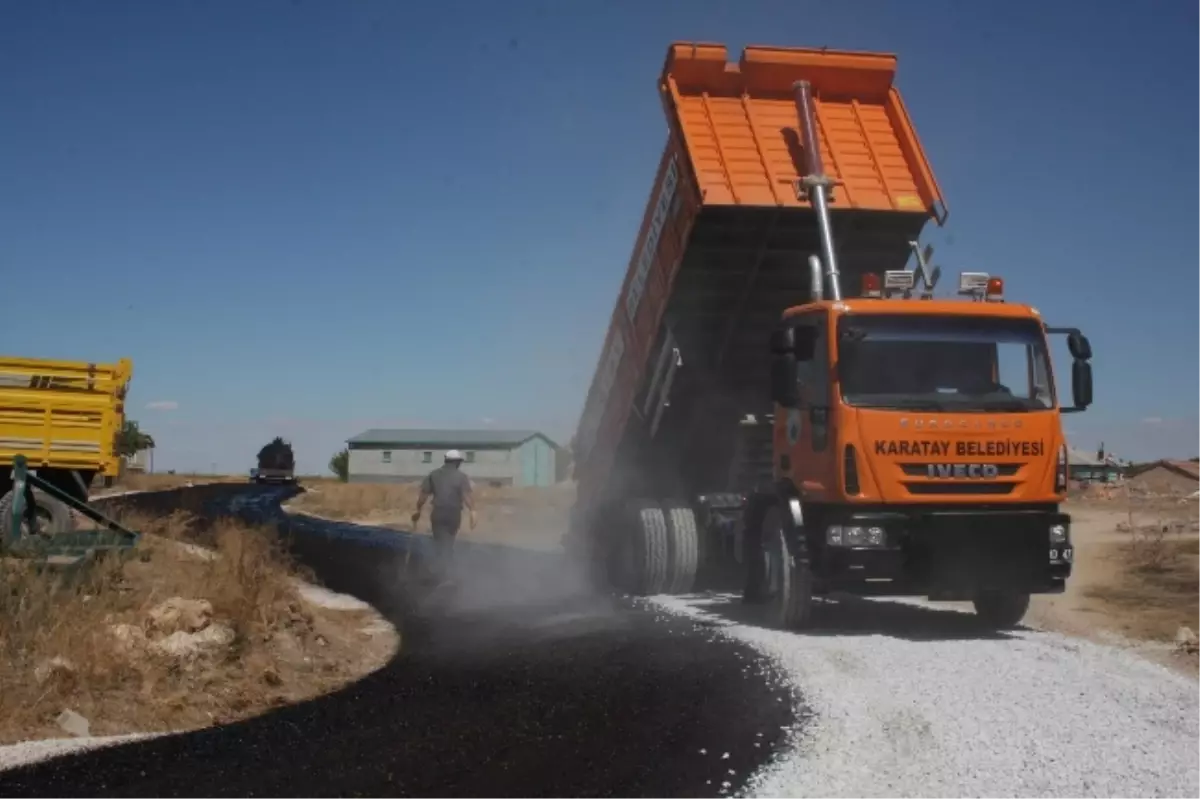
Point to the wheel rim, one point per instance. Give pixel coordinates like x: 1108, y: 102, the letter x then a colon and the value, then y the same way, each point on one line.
x: 45, y: 522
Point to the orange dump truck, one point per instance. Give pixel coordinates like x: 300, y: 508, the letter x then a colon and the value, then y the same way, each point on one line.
x: 781, y: 399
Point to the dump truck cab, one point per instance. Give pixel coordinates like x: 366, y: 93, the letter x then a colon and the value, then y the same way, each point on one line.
x: 921, y: 442
x: 785, y: 397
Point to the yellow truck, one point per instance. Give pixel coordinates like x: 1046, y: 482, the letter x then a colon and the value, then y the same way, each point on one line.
x: 63, y: 418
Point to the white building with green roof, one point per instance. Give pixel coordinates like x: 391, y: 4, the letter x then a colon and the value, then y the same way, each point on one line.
x: 499, y: 457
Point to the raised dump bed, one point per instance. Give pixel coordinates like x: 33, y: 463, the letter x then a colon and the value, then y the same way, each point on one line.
x: 722, y: 252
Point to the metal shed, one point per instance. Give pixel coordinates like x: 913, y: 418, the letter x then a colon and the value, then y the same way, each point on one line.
x: 500, y: 457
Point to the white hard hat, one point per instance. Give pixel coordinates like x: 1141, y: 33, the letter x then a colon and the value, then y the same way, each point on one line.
x: 454, y: 455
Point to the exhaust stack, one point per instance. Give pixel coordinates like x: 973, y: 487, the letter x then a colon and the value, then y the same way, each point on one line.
x: 815, y: 183
x: 817, y: 289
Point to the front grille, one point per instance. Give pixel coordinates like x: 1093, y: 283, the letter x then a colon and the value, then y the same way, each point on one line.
x: 959, y: 488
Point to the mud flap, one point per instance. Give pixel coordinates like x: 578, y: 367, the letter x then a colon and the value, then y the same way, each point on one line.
x: 754, y: 555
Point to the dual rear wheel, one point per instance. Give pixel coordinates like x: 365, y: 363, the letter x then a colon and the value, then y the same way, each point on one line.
x: 659, y: 551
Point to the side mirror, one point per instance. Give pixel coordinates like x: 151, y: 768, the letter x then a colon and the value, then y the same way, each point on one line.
x: 794, y: 340
x: 806, y: 339
x: 785, y: 388
x: 1081, y: 383
x: 783, y: 340
x: 1079, y: 346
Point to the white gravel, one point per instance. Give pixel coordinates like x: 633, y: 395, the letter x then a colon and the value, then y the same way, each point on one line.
x: 30, y: 752
x: 908, y: 700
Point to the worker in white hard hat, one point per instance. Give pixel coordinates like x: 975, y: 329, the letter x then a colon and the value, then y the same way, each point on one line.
x: 450, y: 489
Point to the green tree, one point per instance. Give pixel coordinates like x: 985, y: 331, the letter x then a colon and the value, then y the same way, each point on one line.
x: 131, y: 440
x: 339, y: 464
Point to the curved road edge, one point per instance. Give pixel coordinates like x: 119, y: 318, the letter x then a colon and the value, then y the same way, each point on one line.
x: 511, y: 692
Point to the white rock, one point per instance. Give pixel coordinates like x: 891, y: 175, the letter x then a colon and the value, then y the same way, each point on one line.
x: 130, y: 639
x: 73, y: 724
x: 179, y: 614
x: 185, y: 645
x: 54, y: 667
x: 1185, y: 640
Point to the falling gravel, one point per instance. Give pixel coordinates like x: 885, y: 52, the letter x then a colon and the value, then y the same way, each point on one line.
x: 908, y: 699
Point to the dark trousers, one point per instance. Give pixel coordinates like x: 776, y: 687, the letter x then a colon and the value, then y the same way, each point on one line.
x: 445, y: 523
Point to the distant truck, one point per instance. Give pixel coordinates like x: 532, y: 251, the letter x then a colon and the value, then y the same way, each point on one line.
x: 65, y: 418
x: 780, y: 401
x: 276, y: 463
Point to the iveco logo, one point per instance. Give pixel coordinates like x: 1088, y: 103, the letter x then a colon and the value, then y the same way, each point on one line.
x: 962, y: 471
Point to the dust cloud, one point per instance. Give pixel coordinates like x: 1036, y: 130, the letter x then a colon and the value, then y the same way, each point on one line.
x: 498, y: 595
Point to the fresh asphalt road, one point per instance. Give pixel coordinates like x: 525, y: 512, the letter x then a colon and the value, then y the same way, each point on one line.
x: 526, y: 686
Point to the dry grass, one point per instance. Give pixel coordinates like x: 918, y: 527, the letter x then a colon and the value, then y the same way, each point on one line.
x: 85, y: 640
x: 1136, y: 574
x: 531, y: 516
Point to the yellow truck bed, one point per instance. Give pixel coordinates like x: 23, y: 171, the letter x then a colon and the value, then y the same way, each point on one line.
x: 62, y: 414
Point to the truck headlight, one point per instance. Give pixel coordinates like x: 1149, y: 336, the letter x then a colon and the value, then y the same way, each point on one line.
x: 853, y: 535
x: 1058, y: 534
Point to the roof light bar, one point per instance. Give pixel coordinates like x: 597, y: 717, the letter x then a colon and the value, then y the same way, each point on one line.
x: 899, y: 280
x: 973, y: 284
x: 995, y: 289
x: 870, y: 286
x: 981, y: 286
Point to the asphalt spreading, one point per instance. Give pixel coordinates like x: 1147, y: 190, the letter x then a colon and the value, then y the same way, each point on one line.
x: 553, y: 694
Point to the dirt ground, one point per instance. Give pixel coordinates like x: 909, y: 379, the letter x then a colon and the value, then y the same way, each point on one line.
x: 174, y: 636
x: 1126, y: 589
x: 533, y: 518
x: 1130, y: 586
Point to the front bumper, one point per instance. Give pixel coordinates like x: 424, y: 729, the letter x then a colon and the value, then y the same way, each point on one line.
x: 947, y: 553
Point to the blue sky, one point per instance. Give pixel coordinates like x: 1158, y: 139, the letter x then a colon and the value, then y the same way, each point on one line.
x: 308, y: 218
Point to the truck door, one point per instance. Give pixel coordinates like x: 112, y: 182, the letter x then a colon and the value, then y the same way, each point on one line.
x: 810, y: 432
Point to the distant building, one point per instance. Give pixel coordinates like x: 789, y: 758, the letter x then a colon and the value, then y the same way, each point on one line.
x: 500, y: 457
x: 140, y: 461
x: 1089, y: 467
x: 1166, y: 477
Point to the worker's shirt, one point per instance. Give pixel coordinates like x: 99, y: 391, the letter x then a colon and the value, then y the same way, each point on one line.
x: 448, y: 486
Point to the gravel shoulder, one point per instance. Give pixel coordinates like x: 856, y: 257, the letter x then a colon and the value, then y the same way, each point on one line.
x: 909, y: 700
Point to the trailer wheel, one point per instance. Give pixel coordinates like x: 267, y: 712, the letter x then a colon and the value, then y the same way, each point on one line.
x: 53, y: 516
x: 789, y: 577
x: 684, y: 543
x: 645, y: 553
x: 1001, y: 610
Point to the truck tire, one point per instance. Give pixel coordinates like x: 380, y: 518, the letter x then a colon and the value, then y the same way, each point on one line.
x: 683, y: 548
x: 54, y: 516
x: 1001, y: 610
x: 789, y: 577
x: 644, y: 566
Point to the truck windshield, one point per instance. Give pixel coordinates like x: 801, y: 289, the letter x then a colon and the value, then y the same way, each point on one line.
x: 946, y: 363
